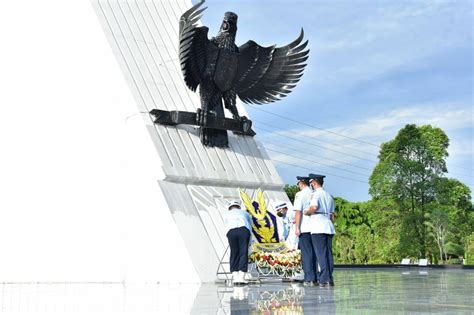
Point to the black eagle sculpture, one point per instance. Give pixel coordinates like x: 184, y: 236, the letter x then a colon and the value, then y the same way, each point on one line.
x: 223, y: 71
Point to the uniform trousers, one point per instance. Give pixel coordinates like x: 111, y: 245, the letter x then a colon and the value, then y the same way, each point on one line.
x: 308, y: 257
x: 322, y: 244
x: 239, y: 248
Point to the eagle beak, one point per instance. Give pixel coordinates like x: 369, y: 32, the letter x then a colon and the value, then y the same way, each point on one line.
x: 225, y: 26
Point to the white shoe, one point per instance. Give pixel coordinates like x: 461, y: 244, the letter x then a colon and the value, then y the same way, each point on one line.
x: 249, y: 277
x: 299, y: 276
x: 235, y: 277
x: 241, y: 277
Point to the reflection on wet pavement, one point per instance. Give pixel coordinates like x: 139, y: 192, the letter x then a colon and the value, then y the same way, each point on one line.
x: 356, y: 291
x: 372, y: 291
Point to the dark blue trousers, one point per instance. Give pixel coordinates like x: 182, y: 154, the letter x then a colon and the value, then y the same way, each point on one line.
x: 239, y: 248
x: 308, y: 257
x: 331, y: 259
x: 322, y: 244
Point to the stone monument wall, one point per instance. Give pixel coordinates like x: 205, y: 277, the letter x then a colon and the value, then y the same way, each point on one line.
x: 197, y: 181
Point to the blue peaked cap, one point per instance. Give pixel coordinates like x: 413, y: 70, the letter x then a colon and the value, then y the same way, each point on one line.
x: 315, y: 176
x: 303, y: 178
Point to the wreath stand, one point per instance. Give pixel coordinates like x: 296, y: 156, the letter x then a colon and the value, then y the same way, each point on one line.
x: 261, y: 268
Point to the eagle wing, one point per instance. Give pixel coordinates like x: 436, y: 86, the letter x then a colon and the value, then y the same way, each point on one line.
x: 262, y: 208
x: 246, y: 200
x: 193, y: 43
x: 267, y: 74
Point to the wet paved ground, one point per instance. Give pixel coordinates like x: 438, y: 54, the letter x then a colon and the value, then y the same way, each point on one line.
x: 357, y: 291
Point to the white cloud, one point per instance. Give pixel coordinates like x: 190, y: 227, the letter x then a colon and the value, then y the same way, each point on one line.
x: 461, y: 147
x: 353, y: 155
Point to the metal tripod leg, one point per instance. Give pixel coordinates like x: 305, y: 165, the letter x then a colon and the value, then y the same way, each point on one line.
x: 221, y: 270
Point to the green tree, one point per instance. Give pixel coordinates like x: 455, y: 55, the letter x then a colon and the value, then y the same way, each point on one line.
x: 438, y: 228
x: 348, y: 218
x: 455, y: 197
x: 352, y: 241
x: 364, y: 244
x: 469, y: 250
x: 291, y: 191
x: 407, y: 170
x: 385, y: 222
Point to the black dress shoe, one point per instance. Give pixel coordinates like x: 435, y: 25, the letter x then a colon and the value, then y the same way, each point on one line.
x: 324, y: 285
x: 331, y: 283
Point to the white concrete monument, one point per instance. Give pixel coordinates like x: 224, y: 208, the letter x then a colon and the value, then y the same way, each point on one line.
x: 197, y: 180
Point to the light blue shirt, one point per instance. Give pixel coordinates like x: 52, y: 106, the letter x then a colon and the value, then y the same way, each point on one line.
x: 302, y: 202
x: 286, y: 225
x: 236, y: 218
x: 321, y: 220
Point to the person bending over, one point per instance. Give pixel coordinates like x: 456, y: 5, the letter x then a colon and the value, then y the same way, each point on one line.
x: 238, y: 226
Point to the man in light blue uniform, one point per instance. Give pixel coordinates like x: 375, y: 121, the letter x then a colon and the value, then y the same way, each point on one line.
x: 239, y: 226
x: 303, y: 230
x: 321, y: 210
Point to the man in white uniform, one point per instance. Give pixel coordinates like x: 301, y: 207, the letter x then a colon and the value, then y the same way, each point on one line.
x: 321, y: 210
x: 303, y: 231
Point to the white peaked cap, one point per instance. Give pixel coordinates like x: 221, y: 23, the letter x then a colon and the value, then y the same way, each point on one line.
x: 279, y: 204
x: 233, y: 203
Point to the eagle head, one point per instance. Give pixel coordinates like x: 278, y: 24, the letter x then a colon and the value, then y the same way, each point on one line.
x: 229, y: 24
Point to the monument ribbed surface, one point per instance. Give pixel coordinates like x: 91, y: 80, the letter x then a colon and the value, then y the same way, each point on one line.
x: 145, y: 37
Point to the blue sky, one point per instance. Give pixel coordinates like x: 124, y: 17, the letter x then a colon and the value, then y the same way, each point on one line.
x: 374, y: 66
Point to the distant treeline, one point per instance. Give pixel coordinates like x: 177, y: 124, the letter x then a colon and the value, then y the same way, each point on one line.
x: 415, y: 211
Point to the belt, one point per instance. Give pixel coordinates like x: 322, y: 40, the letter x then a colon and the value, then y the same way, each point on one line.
x: 323, y: 213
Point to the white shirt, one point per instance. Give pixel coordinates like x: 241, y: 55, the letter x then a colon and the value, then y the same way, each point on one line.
x: 287, y: 221
x: 321, y: 220
x: 302, y: 201
x: 292, y: 239
x: 236, y: 218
